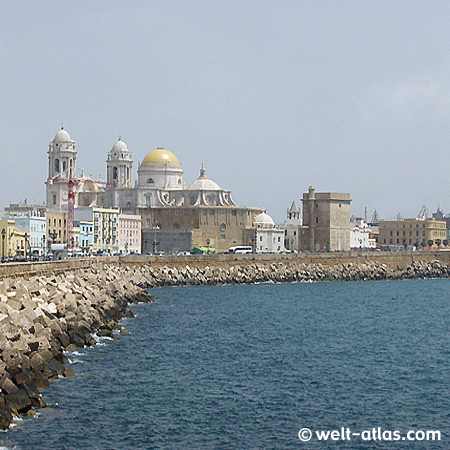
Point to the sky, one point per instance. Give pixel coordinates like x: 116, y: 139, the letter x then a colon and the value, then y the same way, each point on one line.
x: 347, y: 96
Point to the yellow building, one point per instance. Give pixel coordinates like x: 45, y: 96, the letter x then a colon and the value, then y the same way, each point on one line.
x: 57, y: 227
x: 12, y: 240
x: 412, y: 232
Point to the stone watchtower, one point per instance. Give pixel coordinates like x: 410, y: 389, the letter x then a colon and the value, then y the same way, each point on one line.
x: 119, y: 166
x: 326, y: 221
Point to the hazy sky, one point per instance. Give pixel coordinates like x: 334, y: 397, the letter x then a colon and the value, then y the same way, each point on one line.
x: 350, y: 96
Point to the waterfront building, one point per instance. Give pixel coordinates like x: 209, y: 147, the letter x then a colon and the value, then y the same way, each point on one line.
x: 56, y: 227
x: 13, y: 241
x: 361, y: 235
x: 35, y: 229
x: 32, y: 220
x: 292, y: 228
x: 129, y: 233
x: 417, y: 233
x: 105, y: 227
x: 86, y: 235
x: 269, y: 237
x: 326, y: 221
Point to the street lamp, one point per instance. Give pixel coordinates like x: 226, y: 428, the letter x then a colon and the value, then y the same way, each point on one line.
x: 43, y: 245
x: 154, y: 243
x: 26, y: 243
x: 3, y: 243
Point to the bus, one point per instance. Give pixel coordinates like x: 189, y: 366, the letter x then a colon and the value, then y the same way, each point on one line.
x: 240, y: 250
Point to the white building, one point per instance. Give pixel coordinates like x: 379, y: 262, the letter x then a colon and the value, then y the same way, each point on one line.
x: 105, y: 222
x: 129, y: 233
x: 269, y: 237
x: 360, y: 236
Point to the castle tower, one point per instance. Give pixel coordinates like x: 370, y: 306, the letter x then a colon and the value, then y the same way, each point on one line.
x: 119, y: 166
x: 62, y: 157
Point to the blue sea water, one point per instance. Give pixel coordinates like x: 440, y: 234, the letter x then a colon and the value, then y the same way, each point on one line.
x: 248, y: 366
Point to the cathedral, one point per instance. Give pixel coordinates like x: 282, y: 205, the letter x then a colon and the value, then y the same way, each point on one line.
x: 200, y: 213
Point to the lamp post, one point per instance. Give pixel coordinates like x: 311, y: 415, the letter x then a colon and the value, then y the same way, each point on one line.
x: 154, y: 243
x: 26, y: 245
x: 3, y: 243
x: 43, y: 246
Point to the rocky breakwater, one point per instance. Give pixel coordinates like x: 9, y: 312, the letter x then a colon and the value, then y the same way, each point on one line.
x: 44, y: 316
x: 288, y: 272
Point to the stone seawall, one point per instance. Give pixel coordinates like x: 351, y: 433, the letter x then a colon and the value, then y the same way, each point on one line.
x: 42, y: 316
x: 286, y: 272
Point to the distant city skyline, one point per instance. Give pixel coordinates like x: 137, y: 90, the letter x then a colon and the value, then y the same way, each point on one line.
x: 346, y: 96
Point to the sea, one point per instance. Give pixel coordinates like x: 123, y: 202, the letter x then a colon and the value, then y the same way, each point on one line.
x: 254, y: 366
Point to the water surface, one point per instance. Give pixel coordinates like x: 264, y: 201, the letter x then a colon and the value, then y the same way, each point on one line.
x: 245, y: 367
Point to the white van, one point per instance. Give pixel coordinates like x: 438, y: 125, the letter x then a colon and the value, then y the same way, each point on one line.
x: 240, y: 250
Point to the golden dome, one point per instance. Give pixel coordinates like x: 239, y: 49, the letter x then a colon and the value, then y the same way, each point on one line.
x: 161, y: 157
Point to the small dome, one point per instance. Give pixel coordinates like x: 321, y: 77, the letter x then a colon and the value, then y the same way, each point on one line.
x: 120, y: 146
x: 62, y: 136
x: 161, y: 157
x: 264, y: 219
x: 203, y: 183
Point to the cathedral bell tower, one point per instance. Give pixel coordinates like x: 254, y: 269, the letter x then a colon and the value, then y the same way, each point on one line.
x: 119, y: 166
x: 62, y: 157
